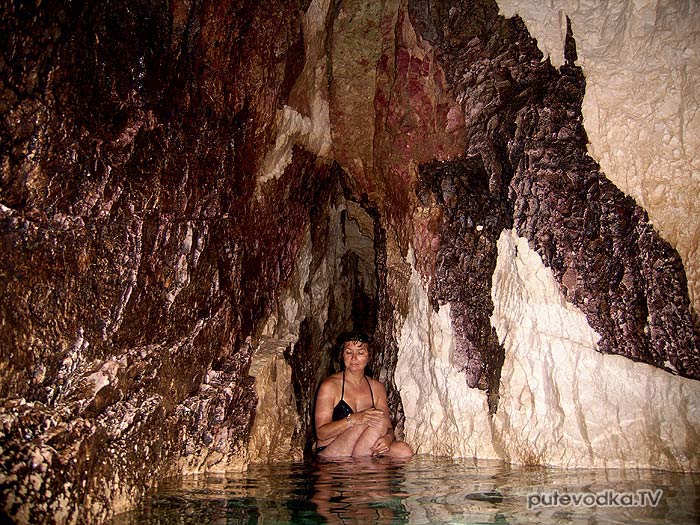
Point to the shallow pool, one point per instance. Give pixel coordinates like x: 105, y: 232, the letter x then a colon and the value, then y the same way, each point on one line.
x: 423, y: 490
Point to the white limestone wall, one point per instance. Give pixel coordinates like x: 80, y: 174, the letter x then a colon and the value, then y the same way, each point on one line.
x: 443, y: 415
x: 641, y: 60
x: 276, y: 419
x: 562, y: 402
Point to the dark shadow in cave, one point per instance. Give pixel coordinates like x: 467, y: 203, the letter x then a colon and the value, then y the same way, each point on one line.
x: 346, y: 255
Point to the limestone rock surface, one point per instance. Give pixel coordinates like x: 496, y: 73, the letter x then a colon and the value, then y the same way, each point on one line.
x: 641, y: 61
x: 189, y: 218
x: 563, y: 402
x: 137, y: 258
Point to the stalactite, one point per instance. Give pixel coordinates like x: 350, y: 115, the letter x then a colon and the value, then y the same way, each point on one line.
x: 190, y: 218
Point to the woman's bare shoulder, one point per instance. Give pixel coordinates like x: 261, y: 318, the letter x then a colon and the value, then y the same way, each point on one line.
x: 376, y: 384
x: 331, y: 381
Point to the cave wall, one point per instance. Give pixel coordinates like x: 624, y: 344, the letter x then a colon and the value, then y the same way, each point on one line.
x: 563, y: 401
x: 514, y: 156
x: 641, y: 65
x: 140, y: 255
x: 526, y: 155
x: 331, y: 290
x: 190, y: 219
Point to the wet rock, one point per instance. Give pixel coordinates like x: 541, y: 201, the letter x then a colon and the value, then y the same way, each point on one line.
x: 138, y: 257
x: 471, y: 219
x: 524, y: 124
x: 490, y: 496
x: 189, y: 219
x: 638, y: 68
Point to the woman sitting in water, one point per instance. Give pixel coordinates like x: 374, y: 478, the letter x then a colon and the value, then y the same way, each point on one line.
x: 352, y: 415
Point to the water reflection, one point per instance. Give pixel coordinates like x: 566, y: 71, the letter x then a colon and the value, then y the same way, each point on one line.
x: 423, y: 490
x: 362, y: 490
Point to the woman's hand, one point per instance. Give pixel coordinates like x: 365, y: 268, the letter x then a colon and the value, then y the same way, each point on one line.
x: 382, y: 445
x: 371, y: 417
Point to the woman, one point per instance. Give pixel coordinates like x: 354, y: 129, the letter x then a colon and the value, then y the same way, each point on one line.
x: 352, y: 415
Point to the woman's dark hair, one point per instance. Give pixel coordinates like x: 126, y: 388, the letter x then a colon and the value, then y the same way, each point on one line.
x: 354, y: 335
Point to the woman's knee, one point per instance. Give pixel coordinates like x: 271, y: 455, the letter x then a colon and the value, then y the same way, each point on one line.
x: 363, y: 446
x: 400, y: 449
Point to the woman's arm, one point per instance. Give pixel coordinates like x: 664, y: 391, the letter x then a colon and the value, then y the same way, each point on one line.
x: 381, y: 446
x: 326, y: 428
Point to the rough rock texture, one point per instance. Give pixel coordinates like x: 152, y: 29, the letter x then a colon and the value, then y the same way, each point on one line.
x: 642, y: 66
x: 190, y: 218
x: 472, y: 217
x: 561, y: 401
x: 137, y: 259
x: 564, y: 403
x: 524, y: 124
x: 442, y: 415
x: 524, y: 129
x: 332, y: 290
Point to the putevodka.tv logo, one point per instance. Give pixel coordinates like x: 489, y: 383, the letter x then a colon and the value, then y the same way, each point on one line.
x: 605, y: 498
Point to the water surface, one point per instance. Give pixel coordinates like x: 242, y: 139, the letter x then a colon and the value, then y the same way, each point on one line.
x: 423, y: 490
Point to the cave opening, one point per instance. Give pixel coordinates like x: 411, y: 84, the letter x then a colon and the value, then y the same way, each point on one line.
x: 343, y: 292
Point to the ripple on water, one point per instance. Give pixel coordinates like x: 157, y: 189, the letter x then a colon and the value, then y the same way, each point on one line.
x: 423, y: 490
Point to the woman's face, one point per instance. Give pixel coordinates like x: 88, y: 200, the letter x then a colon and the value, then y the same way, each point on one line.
x: 355, y: 355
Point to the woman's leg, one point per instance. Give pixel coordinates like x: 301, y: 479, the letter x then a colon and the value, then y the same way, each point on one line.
x: 343, y: 445
x: 363, y: 445
x: 400, y: 449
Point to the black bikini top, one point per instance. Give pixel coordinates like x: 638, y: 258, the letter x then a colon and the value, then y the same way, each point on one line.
x: 342, y: 409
